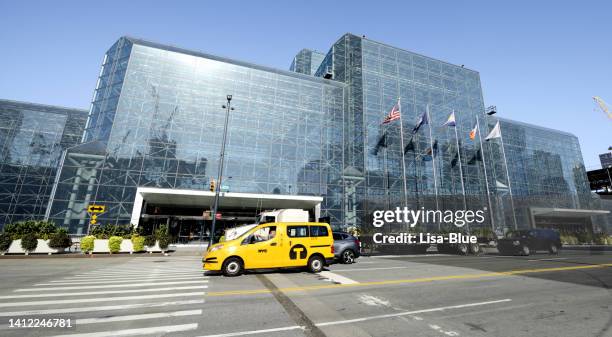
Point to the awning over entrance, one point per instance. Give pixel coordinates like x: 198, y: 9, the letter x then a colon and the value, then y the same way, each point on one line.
x: 204, y: 199
x: 567, y: 218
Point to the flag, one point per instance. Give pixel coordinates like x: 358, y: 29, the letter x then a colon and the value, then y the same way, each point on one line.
x: 409, y: 146
x: 473, y: 132
x: 422, y: 120
x: 451, y: 120
x: 393, y: 115
x: 432, y: 151
x: 477, y: 157
x: 495, y: 133
x: 382, y: 142
x: 500, y: 185
x: 455, y: 160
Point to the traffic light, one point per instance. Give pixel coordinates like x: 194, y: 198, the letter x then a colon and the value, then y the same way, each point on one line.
x: 212, y: 185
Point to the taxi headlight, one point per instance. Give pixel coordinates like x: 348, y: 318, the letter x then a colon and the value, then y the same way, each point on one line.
x: 217, y: 247
x: 516, y: 242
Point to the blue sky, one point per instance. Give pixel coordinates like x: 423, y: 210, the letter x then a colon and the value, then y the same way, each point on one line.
x: 540, y: 61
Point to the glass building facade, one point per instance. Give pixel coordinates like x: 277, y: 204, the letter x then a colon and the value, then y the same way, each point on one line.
x: 307, y: 61
x: 317, y: 130
x: 32, y: 139
x: 157, y: 121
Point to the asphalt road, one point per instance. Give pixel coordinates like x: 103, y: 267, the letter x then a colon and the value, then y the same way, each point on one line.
x: 432, y: 295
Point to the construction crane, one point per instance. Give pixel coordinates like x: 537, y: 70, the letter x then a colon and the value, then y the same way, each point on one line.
x: 603, y: 106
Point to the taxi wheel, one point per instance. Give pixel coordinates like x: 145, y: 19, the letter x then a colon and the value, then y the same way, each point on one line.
x: 315, y: 264
x: 232, y: 267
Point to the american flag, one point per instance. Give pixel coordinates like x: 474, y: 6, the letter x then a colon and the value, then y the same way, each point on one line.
x: 393, y: 115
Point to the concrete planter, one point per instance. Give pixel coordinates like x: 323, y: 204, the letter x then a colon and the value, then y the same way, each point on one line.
x: 155, y: 249
x: 101, y: 246
x: 41, y: 248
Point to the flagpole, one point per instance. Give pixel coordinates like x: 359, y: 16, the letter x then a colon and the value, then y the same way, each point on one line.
x: 433, y: 160
x: 501, y: 137
x: 460, y: 168
x: 399, y: 106
x: 484, y: 165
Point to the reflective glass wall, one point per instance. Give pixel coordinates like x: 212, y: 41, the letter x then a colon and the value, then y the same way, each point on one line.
x: 32, y: 139
x: 284, y: 134
x: 437, y: 174
x: 307, y: 61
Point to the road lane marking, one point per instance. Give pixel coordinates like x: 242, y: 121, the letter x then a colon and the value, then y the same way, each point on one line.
x: 125, y: 291
x: 362, y: 319
x: 55, y: 283
x: 550, y: 259
x: 103, y: 308
x: 99, y: 299
x: 406, y: 313
x: 373, y: 301
x: 99, y: 286
x: 138, y: 317
x: 338, y: 279
x: 415, y: 280
x: 257, y: 332
x: 366, y: 269
x: 135, y: 332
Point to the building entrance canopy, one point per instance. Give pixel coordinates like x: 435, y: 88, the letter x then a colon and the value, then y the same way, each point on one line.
x: 204, y: 199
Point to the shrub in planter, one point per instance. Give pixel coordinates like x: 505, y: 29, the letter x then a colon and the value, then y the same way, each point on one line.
x: 60, y: 240
x: 5, y: 242
x: 87, y: 243
x: 149, y: 240
x: 114, y: 244
x: 29, y: 242
x: 138, y: 242
x: 161, y: 234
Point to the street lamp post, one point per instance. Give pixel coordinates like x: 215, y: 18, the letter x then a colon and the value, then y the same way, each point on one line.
x: 227, y: 108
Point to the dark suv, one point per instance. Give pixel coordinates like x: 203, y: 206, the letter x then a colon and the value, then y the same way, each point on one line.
x: 346, y: 247
x: 525, y: 242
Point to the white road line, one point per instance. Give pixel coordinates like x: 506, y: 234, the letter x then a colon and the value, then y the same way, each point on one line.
x: 99, y: 286
x: 135, y: 332
x: 256, y: 332
x: 100, y: 299
x: 138, y: 317
x: 107, y: 281
x: 121, y: 278
x: 129, y: 272
x: 405, y: 313
x: 349, y: 321
x: 366, y: 269
x: 103, y: 292
x: 97, y: 308
x: 550, y: 259
x: 336, y: 278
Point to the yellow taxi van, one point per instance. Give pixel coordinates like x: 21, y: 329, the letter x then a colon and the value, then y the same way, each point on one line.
x: 273, y: 245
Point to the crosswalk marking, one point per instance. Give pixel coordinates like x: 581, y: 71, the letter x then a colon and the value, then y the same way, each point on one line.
x: 133, y: 298
x: 102, y: 308
x: 128, y: 285
x: 135, y: 332
x: 124, y: 291
x: 138, y: 317
x: 99, y: 299
x: 54, y: 283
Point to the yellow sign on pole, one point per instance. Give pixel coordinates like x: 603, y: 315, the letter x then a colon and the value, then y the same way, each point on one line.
x: 96, y: 208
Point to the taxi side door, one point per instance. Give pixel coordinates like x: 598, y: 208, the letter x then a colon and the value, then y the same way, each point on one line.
x: 297, y: 245
x: 261, y: 248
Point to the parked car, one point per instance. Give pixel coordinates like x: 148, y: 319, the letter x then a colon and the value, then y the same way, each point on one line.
x: 525, y: 242
x: 346, y: 247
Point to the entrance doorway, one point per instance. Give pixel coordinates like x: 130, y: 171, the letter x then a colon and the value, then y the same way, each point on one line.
x: 183, y: 211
